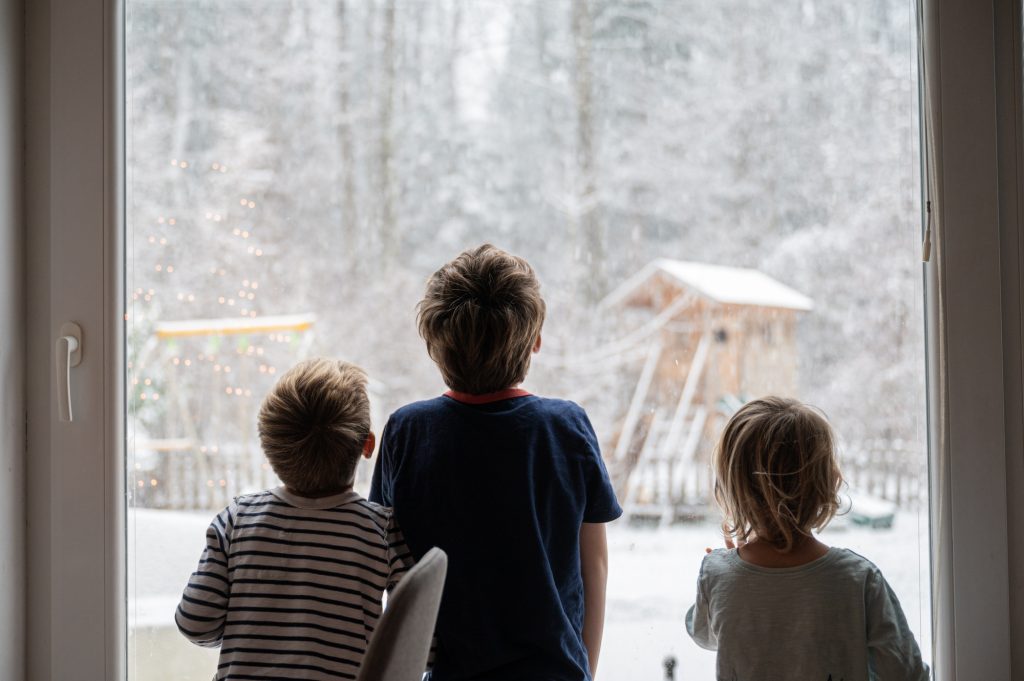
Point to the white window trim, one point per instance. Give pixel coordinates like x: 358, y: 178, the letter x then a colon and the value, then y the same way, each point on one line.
x: 1009, y: 60
x: 74, y: 216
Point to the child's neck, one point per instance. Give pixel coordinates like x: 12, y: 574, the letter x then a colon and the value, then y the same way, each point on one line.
x: 484, y: 398
x: 318, y: 495
x: 763, y: 554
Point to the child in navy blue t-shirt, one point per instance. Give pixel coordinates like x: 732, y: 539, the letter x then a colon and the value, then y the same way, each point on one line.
x: 512, y: 486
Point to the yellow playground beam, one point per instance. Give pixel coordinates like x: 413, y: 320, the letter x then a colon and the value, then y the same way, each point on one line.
x: 234, y: 326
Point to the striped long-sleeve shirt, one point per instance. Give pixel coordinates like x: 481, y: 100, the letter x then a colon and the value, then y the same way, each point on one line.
x: 291, y: 587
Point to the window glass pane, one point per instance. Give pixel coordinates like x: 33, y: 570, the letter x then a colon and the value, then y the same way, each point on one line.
x: 725, y: 193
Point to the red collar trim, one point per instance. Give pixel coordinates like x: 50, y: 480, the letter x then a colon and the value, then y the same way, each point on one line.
x: 469, y: 398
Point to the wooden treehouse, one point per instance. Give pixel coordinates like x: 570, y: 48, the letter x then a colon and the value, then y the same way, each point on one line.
x: 715, y: 337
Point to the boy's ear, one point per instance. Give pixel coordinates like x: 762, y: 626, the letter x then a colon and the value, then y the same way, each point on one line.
x: 371, y: 442
x: 536, y: 345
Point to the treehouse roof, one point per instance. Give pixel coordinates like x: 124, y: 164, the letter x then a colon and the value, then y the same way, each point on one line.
x: 730, y: 285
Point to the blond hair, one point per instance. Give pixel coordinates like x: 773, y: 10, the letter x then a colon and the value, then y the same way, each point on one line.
x: 777, y: 473
x: 313, y: 426
x: 480, y: 317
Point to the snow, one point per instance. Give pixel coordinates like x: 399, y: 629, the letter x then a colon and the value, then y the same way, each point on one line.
x: 870, y: 508
x: 652, y: 578
x: 733, y: 285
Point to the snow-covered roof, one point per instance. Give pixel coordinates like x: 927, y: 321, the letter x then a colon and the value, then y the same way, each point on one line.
x: 235, y: 325
x: 734, y: 285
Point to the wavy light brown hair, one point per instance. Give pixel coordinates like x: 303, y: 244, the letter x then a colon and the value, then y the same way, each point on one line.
x: 313, y: 426
x: 480, y: 318
x: 777, y: 476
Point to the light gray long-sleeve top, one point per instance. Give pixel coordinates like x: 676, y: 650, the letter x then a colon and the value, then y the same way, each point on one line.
x: 835, y: 618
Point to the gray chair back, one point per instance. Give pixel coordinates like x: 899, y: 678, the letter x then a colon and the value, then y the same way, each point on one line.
x: 400, y: 644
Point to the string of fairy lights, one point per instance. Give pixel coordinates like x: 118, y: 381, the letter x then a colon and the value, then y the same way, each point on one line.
x: 171, y: 371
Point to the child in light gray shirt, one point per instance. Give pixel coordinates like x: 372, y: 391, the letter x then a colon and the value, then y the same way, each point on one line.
x: 783, y: 606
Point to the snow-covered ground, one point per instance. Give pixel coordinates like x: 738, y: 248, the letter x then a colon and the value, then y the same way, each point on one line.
x: 651, y: 584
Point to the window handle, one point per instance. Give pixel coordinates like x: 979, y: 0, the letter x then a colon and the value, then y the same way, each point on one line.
x: 69, y: 354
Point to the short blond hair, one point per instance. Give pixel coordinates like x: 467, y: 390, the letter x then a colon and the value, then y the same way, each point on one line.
x: 777, y: 475
x: 480, y: 317
x: 313, y: 426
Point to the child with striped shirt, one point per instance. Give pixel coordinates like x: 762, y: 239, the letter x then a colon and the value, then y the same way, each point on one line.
x: 291, y: 580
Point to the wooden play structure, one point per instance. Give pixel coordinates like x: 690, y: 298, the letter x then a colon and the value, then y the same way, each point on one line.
x: 717, y: 336
x: 200, y: 449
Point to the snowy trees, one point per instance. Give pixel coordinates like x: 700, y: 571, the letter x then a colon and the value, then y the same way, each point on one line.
x: 337, y: 152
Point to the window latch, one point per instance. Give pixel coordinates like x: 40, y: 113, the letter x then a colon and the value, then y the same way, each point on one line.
x: 69, y: 354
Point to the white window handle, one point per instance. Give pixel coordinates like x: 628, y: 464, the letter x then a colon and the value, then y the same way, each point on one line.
x: 69, y: 354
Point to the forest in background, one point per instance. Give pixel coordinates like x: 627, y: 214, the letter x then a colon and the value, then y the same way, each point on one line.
x: 325, y: 157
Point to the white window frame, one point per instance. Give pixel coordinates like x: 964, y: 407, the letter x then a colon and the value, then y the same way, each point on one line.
x: 74, y: 222
x: 973, y: 295
x: 75, y: 258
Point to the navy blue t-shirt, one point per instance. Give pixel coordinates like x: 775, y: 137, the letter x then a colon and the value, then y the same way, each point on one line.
x: 502, y: 485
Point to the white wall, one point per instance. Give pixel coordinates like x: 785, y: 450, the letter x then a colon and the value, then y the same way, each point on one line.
x: 12, y: 345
